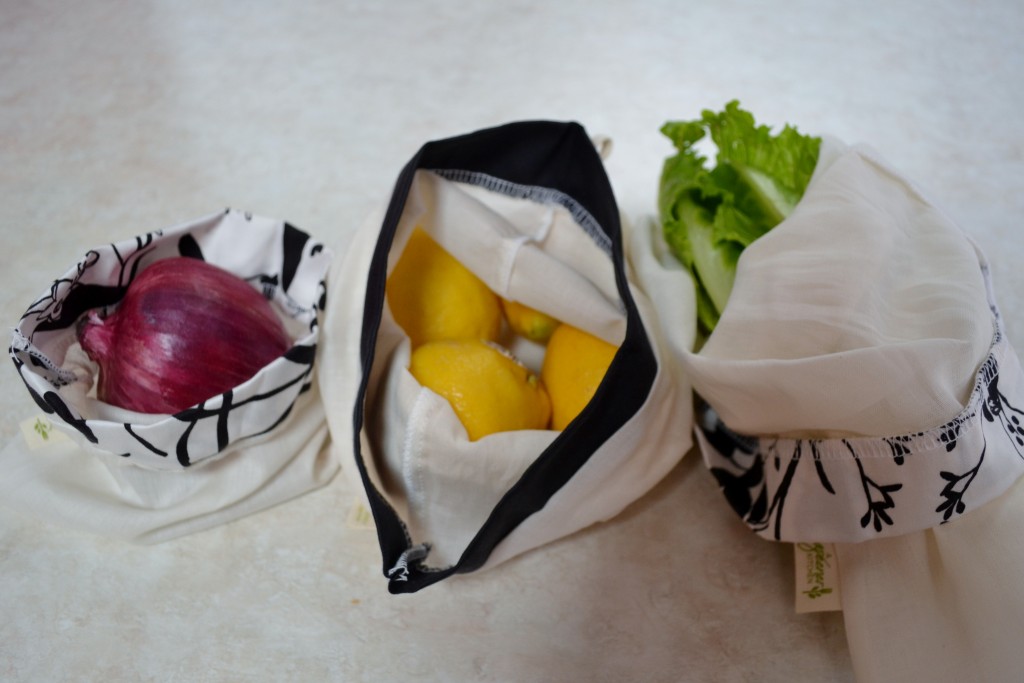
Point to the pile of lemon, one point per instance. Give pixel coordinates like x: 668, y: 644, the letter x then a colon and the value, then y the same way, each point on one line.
x: 454, y: 322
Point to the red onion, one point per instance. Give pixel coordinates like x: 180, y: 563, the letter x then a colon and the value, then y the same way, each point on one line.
x: 185, y: 331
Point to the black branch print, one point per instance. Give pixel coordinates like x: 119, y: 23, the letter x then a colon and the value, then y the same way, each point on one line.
x: 820, y: 468
x: 779, y: 499
x: 757, y: 474
x: 743, y: 483
x: 997, y: 408
x: 955, y: 488
x: 748, y: 491
x: 878, y: 496
x: 740, y: 487
x: 900, y: 448
x: 949, y: 435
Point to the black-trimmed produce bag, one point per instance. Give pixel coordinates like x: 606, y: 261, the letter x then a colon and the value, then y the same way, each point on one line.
x: 527, y: 207
x: 147, y: 477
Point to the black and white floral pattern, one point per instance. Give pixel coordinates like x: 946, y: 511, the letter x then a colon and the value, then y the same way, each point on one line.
x: 285, y: 263
x: 856, y: 489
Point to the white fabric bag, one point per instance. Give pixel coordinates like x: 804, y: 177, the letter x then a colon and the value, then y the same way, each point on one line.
x: 528, y: 208
x: 859, y: 390
x: 148, y: 478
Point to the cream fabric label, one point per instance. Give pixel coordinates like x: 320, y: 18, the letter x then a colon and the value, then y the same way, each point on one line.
x: 359, y: 517
x: 817, y: 578
x: 39, y: 431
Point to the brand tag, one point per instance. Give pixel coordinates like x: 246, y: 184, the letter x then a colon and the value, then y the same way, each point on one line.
x: 39, y: 432
x: 359, y: 517
x: 817, y: 578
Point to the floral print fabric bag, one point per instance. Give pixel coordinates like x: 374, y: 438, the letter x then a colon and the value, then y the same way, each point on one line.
x: 859, y: 390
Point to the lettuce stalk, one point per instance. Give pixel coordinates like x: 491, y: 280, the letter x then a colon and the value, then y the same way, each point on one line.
x: 709, y: 215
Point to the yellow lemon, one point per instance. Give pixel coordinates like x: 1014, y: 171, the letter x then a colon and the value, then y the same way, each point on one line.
x: 528, y: 322
x: 487, y: 387
x: 575, y: 362
x: 432, y: 296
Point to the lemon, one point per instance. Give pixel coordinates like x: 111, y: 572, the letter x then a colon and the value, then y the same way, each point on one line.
x: 432, y: 296
x: 575, y: 362
x: 489, y: 390
x: 528, y: 322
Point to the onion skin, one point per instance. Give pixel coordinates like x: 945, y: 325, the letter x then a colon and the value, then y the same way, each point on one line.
x: 184, y: 332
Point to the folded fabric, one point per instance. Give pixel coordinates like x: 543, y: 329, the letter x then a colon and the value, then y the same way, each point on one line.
x: 73, y: 486
x: 944, y: 604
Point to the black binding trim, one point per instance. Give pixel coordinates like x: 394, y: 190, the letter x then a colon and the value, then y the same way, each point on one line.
x: 543, y: 154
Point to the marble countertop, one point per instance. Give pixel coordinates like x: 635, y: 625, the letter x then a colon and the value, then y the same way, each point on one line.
x: 122, y: 117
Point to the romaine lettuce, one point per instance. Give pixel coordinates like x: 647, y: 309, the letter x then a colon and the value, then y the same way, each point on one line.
x: 709, y: 215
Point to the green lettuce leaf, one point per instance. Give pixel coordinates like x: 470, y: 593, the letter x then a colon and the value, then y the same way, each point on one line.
x: 710, y: 214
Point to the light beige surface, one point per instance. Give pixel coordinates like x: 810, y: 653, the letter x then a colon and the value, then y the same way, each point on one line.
x: 117, y: 118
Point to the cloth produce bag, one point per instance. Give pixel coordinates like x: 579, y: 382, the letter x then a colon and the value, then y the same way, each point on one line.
x: 152, y: 477
x: 859, y: 390
x: 527, y: 207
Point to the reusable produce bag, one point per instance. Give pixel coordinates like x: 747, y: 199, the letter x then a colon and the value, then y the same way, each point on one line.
x: 859, y: 390
x: 528, y: 208
x: 148, y: 477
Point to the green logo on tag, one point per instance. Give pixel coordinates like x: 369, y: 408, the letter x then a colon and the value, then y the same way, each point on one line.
x: 818, y: 562
x: 42, y: 428
x: 39, y: 432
